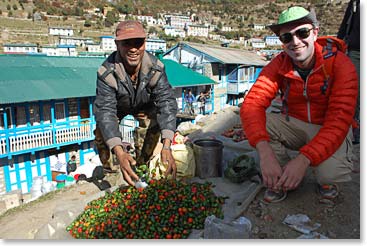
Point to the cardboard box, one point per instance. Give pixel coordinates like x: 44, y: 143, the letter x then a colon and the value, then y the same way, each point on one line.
x: 55, y: 173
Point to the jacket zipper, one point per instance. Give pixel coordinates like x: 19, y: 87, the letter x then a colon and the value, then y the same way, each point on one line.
x: 306, y: 96
x: 307, y: 101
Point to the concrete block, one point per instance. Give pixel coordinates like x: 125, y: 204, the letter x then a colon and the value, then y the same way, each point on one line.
x: 27, y: 197
x: 2, y: 207
x: 13, y: 199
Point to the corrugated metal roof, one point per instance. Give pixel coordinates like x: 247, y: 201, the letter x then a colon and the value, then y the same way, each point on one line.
x: 181, y: 76
x: 229, y: 55
x: 32, y: 78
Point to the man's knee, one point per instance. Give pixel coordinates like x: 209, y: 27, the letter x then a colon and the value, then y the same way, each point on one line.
x: 104, y: 152
x: 333, y: 171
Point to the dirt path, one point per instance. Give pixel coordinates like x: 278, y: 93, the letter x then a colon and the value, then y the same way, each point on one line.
x: 338, y: 221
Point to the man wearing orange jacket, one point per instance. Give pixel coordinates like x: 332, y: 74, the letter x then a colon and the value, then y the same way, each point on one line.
x: 317, y: 110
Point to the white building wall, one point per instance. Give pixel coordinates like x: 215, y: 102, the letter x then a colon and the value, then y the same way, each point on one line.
x: 174, y: 32
x: 272, y: 41
x: 179, y: 21
x: 94, y: 48
x: 20, y: 49
x: 198, y: 31
x: 108, y: 44
x: 61, y: 31
x: 152, y: 45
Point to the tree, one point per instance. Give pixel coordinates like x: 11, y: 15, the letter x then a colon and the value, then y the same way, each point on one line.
x: 111, y: 18
x: 220, y: 25
x: 78, y: 11
x: 152, y: 29
x: 15, y: 7
x: 87, y: 23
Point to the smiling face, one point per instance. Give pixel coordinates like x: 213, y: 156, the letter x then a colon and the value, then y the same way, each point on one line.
x: 131, y: 52
x: 301, y: 50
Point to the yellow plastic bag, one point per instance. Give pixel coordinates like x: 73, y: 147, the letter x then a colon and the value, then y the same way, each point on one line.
x: 185, y: 163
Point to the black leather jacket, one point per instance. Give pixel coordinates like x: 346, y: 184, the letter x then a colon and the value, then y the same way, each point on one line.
x: 116, y: 97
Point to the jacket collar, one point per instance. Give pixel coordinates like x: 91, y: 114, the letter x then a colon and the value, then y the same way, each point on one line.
x: 145, y: 68
x: 287, y: 68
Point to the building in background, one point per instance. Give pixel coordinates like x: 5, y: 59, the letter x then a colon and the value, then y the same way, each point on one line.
x: 153, y: 44
x: 61, y: 31
x: 45, y: 115
x: 20, y: 48
x: 233, y: 70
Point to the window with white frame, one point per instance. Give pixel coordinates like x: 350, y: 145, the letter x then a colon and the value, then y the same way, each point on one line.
x: 246, y: 74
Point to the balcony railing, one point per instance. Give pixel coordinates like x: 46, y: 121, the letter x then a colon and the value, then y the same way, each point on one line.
x: 34, y: 138
x: 236, y: 88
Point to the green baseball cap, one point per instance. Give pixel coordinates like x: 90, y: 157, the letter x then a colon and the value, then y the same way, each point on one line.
x: 294, y: 15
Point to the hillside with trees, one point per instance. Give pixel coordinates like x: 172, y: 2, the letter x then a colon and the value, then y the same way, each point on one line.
x: 238, y: 14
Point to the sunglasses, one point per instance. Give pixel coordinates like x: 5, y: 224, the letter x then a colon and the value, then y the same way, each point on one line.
x: 301, y: 33
x: 135, y: 42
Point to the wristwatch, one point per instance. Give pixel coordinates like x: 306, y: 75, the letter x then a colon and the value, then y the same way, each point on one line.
x: 167, y: 147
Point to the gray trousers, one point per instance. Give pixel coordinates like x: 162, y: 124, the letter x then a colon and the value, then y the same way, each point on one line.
x: 354, y: 56
x: 295, y: 133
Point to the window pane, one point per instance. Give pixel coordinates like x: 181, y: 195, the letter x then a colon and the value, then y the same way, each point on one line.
x: 59, y: 111
x: 47, y: 113
x: 20, y: 118
x: 233, y: 75
x: 84, y: 108
x: 73, y: 108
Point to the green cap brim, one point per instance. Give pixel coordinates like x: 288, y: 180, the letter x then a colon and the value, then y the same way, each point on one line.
x: 310, y: 18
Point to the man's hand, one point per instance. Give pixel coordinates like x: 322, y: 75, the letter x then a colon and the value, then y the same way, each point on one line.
x: 293, y: 173
x: 167, y: 157
x: 270, y: 168
x: 125, y: 160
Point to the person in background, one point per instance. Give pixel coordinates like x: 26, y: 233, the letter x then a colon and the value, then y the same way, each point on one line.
x: 71, y: 165
x: 189, y: 100
x: 316, y: 118
x: 133, y: 82
x: 349, y: 31
x: 202, y: 101
x: 242, y: 98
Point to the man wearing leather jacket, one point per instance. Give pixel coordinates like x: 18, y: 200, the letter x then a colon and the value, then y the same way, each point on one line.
x: 133, y: 82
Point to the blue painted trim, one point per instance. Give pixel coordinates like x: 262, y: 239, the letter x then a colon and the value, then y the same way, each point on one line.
x: 7, y: 177
x: 53, y: 120
x: 17, y: 174
x: 6, y: 133
x: 81, y: 155
x: 78, y: 108
x: 48, y: 165
x: 41, y: 112
x: 26, y: 108
x: 13, y: 126
x: 29, y: 176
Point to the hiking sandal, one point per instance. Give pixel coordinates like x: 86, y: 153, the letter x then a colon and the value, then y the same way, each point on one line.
x: 272, y: 196
x: 328, y: 191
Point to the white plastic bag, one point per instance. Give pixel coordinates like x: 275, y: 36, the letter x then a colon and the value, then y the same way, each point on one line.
x: 216, y: 228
